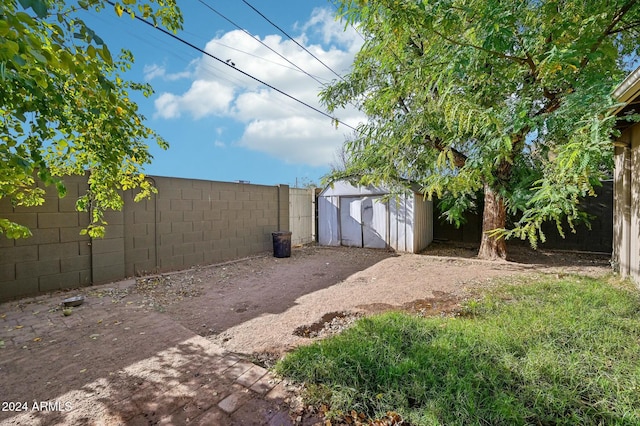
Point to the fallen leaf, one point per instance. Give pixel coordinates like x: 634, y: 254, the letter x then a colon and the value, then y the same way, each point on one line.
x: 84, y: 370
x: 1, y: 344
x: 94, y: 336
x: 18, y: 327
x: 37, y: 339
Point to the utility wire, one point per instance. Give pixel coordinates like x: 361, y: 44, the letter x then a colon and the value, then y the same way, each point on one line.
x: 259, y: 41
x: 204, y: 52
x: 292, y: 39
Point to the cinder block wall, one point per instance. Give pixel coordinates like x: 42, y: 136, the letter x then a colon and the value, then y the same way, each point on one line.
x: 56, y: 256
x: 194, y: 222
x: 188, y: 222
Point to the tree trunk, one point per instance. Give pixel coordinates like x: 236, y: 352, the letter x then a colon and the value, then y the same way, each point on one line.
x: 493, y: 217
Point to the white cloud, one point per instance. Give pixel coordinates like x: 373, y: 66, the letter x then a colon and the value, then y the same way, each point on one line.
x: 207, y: 98
x: 295, y: 140
x: 203, y: 98
x: 154, y: 71
x: 333, y: 31
x: 167, y: 106
x: 273, y: 122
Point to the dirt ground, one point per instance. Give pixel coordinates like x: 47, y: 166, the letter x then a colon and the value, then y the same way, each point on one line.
x: 258, y: 308
x: 265, y: 306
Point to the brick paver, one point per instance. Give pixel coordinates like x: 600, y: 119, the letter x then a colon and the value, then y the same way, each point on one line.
x: 110, y: 372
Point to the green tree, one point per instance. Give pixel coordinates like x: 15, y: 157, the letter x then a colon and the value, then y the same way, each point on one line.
x: 65, y: 108
x: 508, y: 99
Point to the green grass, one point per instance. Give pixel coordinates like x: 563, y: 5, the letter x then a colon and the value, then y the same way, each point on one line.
x: 552, y: 352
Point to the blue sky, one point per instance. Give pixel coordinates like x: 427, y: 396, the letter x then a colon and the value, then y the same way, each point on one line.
x: 222, y: 125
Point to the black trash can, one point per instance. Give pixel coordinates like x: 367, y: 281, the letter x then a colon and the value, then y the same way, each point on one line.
x: 281, y: 244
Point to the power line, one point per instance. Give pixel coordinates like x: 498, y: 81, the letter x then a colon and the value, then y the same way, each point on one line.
x: 204, y: 52
x: 292, y: 39
x: 259, y: 41
x: 262, y: 59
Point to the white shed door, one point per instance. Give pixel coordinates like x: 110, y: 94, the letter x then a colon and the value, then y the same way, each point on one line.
x: 363, y: 222
x: 374, y: 223
x: 350, y: 221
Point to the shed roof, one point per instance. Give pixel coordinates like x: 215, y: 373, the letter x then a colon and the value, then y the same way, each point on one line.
x: 345, y: 188
x: 628, y: 93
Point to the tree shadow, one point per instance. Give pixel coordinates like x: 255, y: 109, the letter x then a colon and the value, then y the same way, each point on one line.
x: 193, y: 381
x: 86, y: 358
x: 269, y: 286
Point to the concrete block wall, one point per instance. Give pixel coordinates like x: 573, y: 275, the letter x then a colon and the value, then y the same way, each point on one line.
x: 188, y: 222
x: 140, y: 242
x: 56, y: 256
x: 201, y: 222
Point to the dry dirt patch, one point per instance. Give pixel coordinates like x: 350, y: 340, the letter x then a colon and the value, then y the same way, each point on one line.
x: 266, y: 305
x: 260, y: 307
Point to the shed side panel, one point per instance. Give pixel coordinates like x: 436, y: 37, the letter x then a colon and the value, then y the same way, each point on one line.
x: 394, y: 238
x: 409, y: 211
x: 423, y: 223
x: 401, y: 221
x: 328, y: 221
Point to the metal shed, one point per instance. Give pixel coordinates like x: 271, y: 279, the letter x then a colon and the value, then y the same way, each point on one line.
x: 359, y: 216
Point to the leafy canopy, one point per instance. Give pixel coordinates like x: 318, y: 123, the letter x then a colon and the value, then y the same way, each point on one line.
x: 65, y: 108
x: 465, y: 95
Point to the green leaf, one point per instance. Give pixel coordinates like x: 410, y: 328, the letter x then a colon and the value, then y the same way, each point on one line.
x: 4, y: 28
x: 38, y: 56
x: 105, y: 54
x: 60, y: 83
x: 40, y: 8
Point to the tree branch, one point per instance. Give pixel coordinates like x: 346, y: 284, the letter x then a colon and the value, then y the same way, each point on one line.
x: 492, y: 52
x: 459, y: 159
x: 631, y: 26
x: 609, y: 30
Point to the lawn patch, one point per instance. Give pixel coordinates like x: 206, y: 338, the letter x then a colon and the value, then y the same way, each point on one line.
x: 552, y: 352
